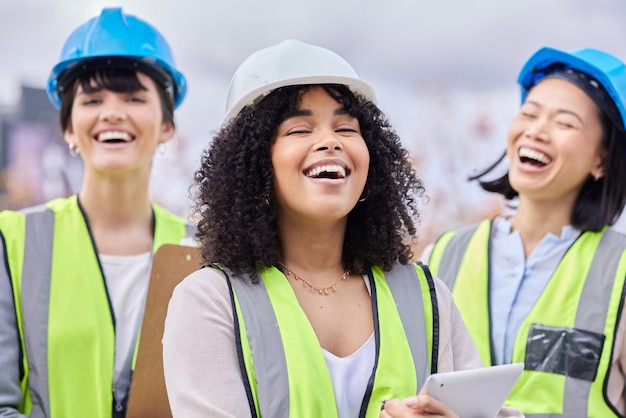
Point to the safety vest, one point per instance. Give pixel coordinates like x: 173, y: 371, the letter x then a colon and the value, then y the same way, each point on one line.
x: 288, y: 377
x: 64, y: 315
x: 567, y: 339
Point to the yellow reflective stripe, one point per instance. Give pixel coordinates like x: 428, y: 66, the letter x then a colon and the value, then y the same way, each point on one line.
x: 310, y: 382
x: 558, y: 305
x: 434, y: 261
x: 169, y: 228
x: 471, y: 290
x: 79, y: 312
x: 395, y: 374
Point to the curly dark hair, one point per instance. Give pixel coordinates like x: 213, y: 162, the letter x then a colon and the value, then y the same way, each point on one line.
x: 234, y: 186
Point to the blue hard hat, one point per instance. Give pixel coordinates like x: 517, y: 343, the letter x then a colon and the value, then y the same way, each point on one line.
x: 115, y: 39
x: 608, y: 70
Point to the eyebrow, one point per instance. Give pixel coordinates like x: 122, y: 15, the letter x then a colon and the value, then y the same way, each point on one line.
x: 305, y: 112
x: 569, y: 112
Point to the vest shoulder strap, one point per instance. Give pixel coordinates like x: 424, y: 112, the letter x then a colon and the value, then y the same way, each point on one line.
x: 454, y: 252
x: 404, y: 283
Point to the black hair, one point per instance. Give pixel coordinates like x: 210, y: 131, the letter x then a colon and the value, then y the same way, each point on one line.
x: 237, y: 227
x: 600, y: 202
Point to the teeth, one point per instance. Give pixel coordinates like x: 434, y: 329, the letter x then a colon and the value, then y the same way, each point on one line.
x: 111, y: 135
x: 534, y: 155
x: 341, y: 172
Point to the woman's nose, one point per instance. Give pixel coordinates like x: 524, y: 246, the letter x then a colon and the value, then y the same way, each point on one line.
x: 536, y: 131
x: 329, y: 141
x: 112, y: 113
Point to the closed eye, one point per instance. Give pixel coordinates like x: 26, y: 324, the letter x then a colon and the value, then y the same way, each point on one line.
x: 91, y: 101
x: 298, y: 132
x: 135, y: 97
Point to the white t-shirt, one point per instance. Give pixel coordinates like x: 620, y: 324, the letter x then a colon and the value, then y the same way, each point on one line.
x: 127, y: 278
x: 350, y: 376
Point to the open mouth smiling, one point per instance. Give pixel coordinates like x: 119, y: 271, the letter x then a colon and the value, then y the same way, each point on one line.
x: 533, y: 157
x: 114, y: 137
x: 328, y: 171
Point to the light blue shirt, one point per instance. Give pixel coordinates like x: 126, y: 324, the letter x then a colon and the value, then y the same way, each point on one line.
x: 516, y: 282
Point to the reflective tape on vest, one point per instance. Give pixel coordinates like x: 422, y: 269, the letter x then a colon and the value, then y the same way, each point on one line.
x: 403, y: 306
x: 590, y: 278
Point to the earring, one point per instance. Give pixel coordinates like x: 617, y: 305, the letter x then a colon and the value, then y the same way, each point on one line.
x: 596, y: 176
x: 162, y: 148
x: 74, y: 151
x: 266, y: 199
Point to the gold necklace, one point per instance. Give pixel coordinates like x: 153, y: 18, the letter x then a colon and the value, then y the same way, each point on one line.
x: 319, y: 290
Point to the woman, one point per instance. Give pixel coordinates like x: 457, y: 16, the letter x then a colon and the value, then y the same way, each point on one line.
x: 545, y: 285
x: 78, y: 267
x: 310, y: 306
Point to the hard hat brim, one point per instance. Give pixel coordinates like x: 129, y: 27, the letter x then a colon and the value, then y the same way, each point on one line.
x: 67, y: 71
x: 357, y: 86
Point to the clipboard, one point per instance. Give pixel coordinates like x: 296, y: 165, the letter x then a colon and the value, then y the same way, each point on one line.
x: 170, y: 264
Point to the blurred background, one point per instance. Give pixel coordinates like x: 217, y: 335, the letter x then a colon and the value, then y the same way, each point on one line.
x: 444, y: 71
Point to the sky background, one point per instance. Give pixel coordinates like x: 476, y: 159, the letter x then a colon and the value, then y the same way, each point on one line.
x: 444, y: 71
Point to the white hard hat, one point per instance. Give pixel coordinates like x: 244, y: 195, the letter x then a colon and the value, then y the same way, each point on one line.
x: 290, y: 63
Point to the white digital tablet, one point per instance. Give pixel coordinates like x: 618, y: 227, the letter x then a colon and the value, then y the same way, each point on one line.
x: 474, y: 393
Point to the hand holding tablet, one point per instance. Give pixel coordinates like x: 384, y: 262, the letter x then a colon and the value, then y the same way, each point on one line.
x: 474, y: 393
